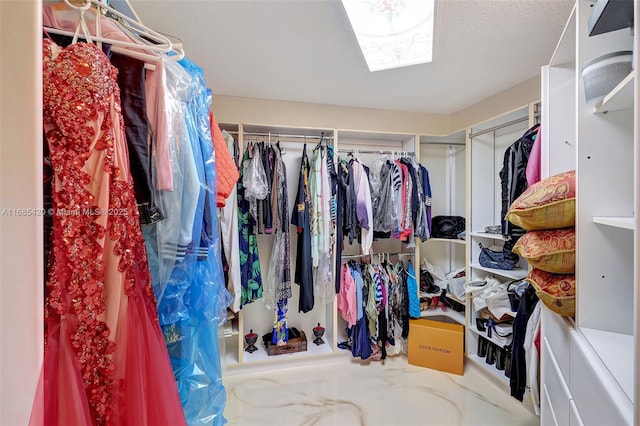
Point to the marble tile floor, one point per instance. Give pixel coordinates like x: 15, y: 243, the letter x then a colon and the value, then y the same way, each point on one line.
x: 344, y: 392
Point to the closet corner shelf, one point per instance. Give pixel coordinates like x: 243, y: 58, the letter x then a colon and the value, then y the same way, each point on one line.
x: 490, y: 368
x: 620, y: 98
x: 484, y: 335
x: 439, y: 312
x: 447, y: 240
x: 514, y: 274
x: 487, y: 235
x: 616, y: 352
x: 616, y: 222
x: 449, y: 296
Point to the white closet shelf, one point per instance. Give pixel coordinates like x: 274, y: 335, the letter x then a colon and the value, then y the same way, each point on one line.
x: 616, y: 351
x: 447, y: 240
x: 483, y: 334
x: 514, y: 274
x: 231, y: 329
x: 487, y: 235
x: 449, y: 296
x: 616, y: 222
x: 490, y: 368
x: 620, y: 98
x: 312, y: 350
x: 439, y: 312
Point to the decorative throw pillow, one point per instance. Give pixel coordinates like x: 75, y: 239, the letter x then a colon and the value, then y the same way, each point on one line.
x: 548, y: 204
x: 551, y: 250
x: 556, y: 291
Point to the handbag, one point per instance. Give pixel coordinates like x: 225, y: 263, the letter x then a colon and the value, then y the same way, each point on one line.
x: 447, y: 227
x: 504, y: 259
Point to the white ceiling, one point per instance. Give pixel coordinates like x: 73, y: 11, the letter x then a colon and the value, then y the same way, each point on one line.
x: 305, y: 50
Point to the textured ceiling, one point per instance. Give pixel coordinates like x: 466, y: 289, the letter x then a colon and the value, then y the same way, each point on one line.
x: 305, y: 50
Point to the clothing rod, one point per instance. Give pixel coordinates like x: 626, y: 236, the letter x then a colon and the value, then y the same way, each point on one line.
x: 358, y: 256
x: 367, y: 151
x: 499, y: 126
x: 443, y: 143
x: 279, y: 135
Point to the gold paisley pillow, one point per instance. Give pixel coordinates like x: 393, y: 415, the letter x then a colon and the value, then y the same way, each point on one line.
x: 548, y: 204
x: 556, y: 291
x: 552, y: 250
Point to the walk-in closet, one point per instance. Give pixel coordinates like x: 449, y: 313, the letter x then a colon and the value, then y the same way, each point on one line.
x: 346, y: 212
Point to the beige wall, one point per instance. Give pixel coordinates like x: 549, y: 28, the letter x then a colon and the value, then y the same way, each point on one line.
x: 508, y: 100
x: 230, y: 109
x: 21, y: 268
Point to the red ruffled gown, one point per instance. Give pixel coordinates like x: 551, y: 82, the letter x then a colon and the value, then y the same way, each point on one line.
x: 105, y: 361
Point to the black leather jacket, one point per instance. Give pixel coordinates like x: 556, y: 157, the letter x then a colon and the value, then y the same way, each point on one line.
x: 513, y: 177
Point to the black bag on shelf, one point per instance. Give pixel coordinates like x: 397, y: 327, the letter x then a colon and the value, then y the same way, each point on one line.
x: 504, y: 259
x: 447, y: 227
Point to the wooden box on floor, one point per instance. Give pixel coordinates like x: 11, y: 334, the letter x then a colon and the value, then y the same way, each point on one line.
x: 297, y: 344
x: 436, y: 345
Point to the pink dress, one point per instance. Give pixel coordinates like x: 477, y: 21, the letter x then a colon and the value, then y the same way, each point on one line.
x: 105, y: 361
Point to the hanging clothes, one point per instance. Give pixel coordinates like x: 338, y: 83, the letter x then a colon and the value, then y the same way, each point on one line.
x: 250, y: 271
x: 226, y: 171
x: 518, y: 379
x: 133, y: 107
x: 89, y: 344
x: 228, y: 218
x: 321, y: 225
x: 374, y: 296
x: 364, y: 211
x: 533, y: 171
x: 513, y: 178
x: 412, y: 290
x: 383, y: 202
x: 342, y: 216
x: 347, y: 300
x: 302, y: 220
x: 427, y: 197
x: 278, y: 285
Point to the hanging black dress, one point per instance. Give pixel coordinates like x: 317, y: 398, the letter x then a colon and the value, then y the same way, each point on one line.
x: 300, y: 217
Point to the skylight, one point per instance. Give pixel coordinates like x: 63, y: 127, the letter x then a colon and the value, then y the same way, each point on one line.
x: 392, y: 33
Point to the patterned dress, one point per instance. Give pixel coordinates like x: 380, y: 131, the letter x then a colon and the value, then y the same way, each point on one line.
x: 103, y: 344
x: 250, y: 272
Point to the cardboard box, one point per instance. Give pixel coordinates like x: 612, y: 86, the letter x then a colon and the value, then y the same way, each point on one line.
x: 437, y: 345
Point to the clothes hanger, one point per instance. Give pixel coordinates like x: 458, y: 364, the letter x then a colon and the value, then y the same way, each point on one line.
x: 132, y: 49
x: 319, y: 145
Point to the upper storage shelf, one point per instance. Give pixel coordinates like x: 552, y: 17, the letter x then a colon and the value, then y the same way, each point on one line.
x: 620, y: 97
x: 610, y: 15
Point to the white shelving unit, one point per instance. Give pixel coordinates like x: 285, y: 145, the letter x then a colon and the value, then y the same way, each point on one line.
x: 445, y: 159
x: 616, y: 222
x: 513, y: 274
x: 600, y: 378
x: 616, y: 351
x: 255, y: 316
x: 487, y: 144
x: 619, y: 99
x: 484, y: 334
x: 487, y: 235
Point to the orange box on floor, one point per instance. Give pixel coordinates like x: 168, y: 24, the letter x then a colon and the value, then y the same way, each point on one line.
x: 437, y: 345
